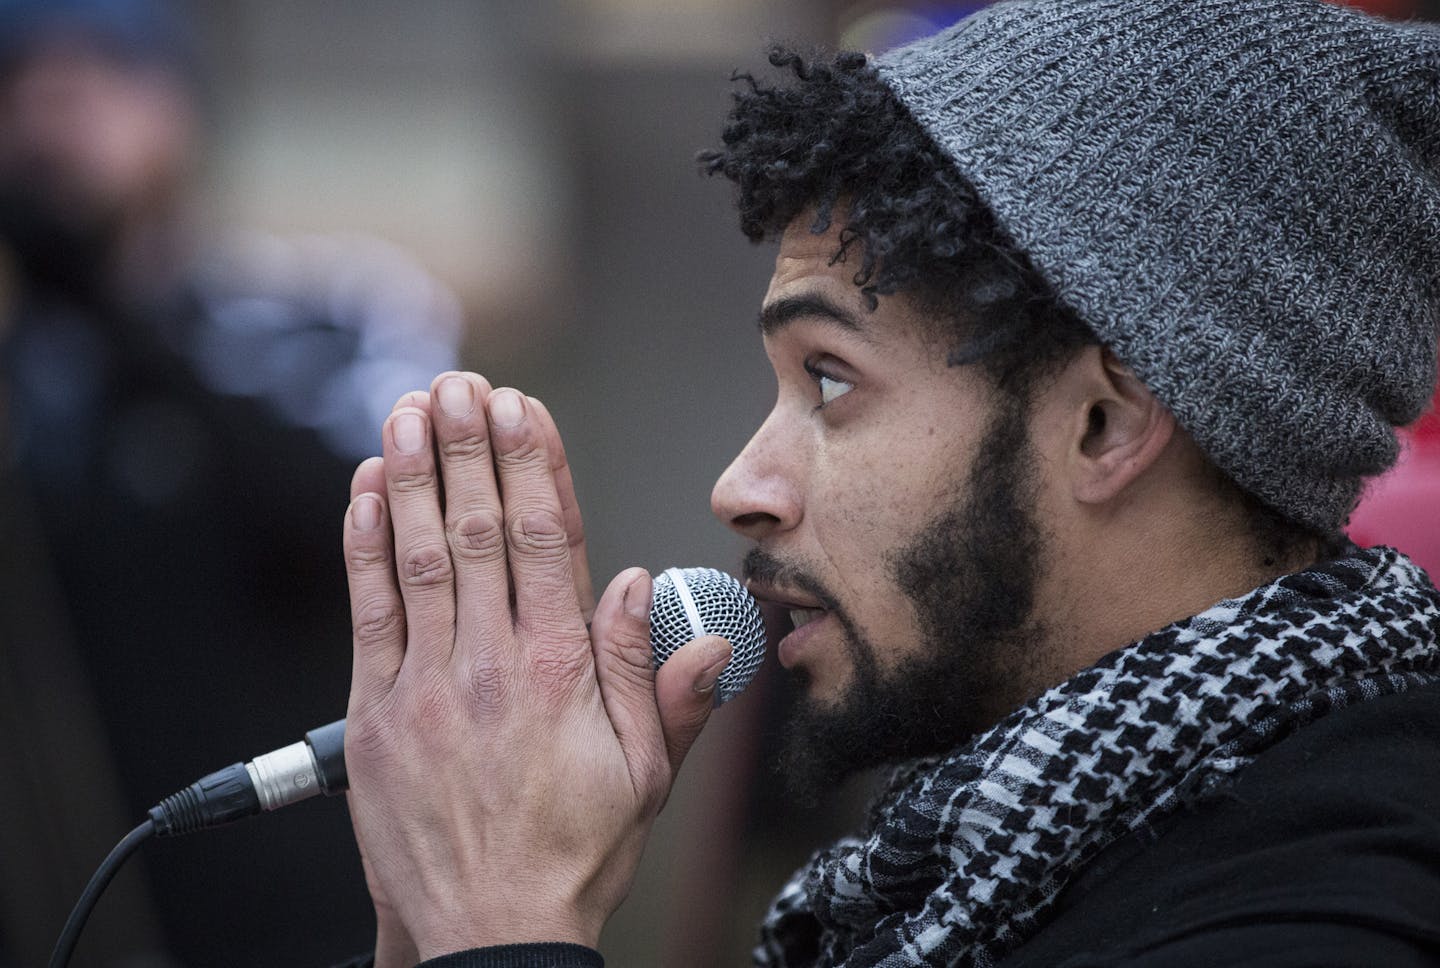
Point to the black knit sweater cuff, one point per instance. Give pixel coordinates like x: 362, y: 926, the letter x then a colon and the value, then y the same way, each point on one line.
x: 543, y: 955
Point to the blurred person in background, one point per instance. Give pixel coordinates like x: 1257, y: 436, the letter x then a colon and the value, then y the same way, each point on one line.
x: 181, y: 407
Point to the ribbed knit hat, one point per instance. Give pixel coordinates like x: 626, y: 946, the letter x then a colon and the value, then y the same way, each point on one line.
x: 1240, y: 197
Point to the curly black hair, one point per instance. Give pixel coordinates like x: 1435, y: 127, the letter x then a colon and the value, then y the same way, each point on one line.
x: 837, y: 138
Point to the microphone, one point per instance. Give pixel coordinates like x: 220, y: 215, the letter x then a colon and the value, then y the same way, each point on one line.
x: 687, y: 603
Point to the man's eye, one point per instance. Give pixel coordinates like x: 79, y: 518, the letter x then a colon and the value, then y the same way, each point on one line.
x: 833, y: 389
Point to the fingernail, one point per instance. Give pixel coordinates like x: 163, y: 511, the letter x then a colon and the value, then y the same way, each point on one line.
x: 457, y: 396
x: 365, y: 512
x: 637, y: 598
x: 409, y: 433
x: 705, y: 681
x: 506, y: 408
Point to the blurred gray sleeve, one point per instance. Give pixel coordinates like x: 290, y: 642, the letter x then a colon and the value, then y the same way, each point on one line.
x: 327, y: 332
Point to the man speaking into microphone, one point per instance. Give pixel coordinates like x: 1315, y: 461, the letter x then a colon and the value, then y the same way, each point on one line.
x: 1089, y: 320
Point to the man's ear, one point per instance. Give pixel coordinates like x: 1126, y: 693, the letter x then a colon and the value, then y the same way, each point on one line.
x: 1120, y: 428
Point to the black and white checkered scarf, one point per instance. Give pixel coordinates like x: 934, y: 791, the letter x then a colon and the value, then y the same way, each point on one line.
x: 964, y: 854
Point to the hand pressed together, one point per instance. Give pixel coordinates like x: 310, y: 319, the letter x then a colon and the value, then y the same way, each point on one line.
x: 505, y: 762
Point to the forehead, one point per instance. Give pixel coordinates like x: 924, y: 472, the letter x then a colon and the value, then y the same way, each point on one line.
x: 808, y: 275
x: 807, y: 257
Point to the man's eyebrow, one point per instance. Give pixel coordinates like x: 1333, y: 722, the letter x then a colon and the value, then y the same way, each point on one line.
x: 776, y: 315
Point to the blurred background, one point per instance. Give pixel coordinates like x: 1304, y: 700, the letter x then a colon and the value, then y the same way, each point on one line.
x: 232, y: 233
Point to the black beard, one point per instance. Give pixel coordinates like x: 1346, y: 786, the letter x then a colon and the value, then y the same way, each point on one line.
x: 971, y: 573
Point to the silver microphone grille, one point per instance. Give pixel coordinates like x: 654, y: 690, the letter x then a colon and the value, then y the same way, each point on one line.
x: 691, y: 602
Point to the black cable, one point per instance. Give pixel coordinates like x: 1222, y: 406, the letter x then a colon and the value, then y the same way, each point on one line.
x: 219, y: 798
x: 100, y: 880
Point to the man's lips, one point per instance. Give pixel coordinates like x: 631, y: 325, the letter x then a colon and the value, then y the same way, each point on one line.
x: 791, y: 618
x: 803, y: 641
x: 786, y: 598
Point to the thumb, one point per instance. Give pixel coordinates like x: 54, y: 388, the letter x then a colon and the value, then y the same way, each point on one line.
x: 685, y: 692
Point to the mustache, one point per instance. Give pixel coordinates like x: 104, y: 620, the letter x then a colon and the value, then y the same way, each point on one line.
x: 770, y: 569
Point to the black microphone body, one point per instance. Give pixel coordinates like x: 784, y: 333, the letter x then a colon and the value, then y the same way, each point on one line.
x: 687, y: 603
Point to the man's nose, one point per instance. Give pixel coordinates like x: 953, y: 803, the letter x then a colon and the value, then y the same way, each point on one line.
x: 758, y: 495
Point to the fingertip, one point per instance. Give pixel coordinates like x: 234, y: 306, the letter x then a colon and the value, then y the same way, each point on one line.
x: 623, y: 599
x: 469, y: 376
x: 507, y: 408
x: 442, y: 377
x: 685, y: 692
x: 459, y: 393
x: 419, y: 399
x: 638, y: 593
x: 550, y: 431
x: 367, y: 512
x: 369, y: 476
x: 714, y: 655
x: 694, y: 668
x: 408, y: 431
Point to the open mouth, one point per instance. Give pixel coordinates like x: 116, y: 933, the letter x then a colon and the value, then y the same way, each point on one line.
x: 800, y: 617
x: 787, y: 611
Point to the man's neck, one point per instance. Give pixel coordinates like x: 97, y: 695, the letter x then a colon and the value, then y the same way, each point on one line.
x: 1152, y: 563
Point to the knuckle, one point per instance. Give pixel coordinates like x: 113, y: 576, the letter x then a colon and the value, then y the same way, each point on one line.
x: 426, y: 566
x: 478, y: 535
x: 632, y: 631
x: 378, y: 622
x: 488, y: 684
x: 560, y: 666
x: 632, y: 648
x: 412, y: 480
x: 365, y: 738
x: 466, y: 447
x: 523, y: 453
x: 540, y: 533
x: 429, y: 708
x: 367, y: 557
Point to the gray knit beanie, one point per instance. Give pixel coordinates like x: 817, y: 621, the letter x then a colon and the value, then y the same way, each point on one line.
x: 1240, y: 197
